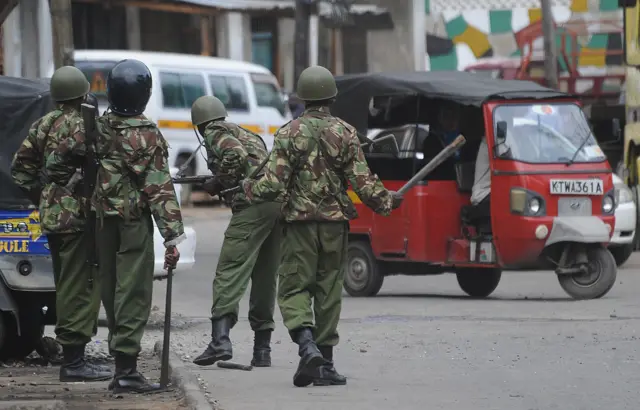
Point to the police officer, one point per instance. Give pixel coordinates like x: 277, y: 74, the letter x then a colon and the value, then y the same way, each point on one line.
x: 251, y: 248
x: 313, y: 159
x: 63, y: 221
x: 134, y: 186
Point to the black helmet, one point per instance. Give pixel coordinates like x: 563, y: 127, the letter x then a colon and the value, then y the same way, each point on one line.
x: 129, y: 87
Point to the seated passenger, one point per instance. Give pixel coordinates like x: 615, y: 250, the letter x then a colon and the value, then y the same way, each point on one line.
x: 481, y: 190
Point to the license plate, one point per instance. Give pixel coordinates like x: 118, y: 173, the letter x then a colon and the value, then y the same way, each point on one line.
x: 576, y: 187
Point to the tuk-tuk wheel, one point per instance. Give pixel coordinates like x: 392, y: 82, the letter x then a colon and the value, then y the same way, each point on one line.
x: 13, y: 346
x: 598, y: 281
x: 479, y: 282
x: 363, y: 277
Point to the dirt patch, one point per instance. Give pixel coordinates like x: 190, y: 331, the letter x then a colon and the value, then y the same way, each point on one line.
x: 34, y: 380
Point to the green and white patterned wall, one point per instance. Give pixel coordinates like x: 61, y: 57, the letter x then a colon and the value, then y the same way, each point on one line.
x: 459, y: 32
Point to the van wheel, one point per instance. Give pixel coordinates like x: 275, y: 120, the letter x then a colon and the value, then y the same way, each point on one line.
x: 479, y: 282
x: 622, y: 253
x: 363, y: 276
x: 13, y: 346
x: 599, y: 279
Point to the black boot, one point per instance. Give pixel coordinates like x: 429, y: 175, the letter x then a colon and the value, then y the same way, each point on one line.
x: 220, y: 346
x: 75, y: 369
x: 310, y: 357
x: 327, y: 374
x: 127, y: 378
x: 261, y: 349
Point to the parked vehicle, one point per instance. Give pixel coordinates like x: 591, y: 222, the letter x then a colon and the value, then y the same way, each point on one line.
x: 552, y: 193
x: 622, y: 241
x: 249, y: 91
x: 27, y: 291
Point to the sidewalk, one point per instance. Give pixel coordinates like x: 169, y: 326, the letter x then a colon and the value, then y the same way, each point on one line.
x: 34, y: 384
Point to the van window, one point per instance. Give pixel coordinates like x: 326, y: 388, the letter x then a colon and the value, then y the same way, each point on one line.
x: 96, y: 73
x: 232, y: 91
x: 268, y: 92
x: 181, y: 90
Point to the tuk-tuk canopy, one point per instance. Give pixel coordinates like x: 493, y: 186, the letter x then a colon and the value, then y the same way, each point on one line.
x: 408, y: 94
x: 22, y: 102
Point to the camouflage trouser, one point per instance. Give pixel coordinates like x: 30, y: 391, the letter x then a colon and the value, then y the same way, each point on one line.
x: 126, y: 258
x: 77, y: 289
x: 251, y: 251
x: 313, y: 261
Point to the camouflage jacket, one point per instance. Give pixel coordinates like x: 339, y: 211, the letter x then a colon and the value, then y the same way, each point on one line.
x: 233, y: 154
x: 61, y: 209
x: 133, y: 176
x: 313, y: 159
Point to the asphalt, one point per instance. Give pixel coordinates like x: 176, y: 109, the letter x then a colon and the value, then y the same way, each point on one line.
x: 421, y: 343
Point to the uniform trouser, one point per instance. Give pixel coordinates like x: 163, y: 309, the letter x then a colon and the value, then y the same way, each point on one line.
x: 313, y: 262
x: 77, y: 289
x: 250, y: 251
x: 126, y: 259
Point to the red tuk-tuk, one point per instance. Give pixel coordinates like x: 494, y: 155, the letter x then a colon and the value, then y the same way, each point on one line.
x: 551, y: 198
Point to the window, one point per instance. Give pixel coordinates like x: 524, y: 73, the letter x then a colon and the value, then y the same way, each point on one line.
x: 181, y: 90
x: 268, y: 95
x: 232, y: 91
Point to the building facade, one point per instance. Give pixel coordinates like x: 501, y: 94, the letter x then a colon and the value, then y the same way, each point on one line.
x: 374, y: 35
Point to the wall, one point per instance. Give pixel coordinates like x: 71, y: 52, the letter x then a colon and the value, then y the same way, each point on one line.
x: 459, y: 32
x: 392, y: 49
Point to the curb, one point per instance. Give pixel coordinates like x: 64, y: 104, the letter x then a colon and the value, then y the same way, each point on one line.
x: 185, y: 381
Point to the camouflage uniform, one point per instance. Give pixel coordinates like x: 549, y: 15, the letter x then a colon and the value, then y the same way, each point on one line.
x: 62, y: 219
x: 251, y: 248
x: 312, y: 160
x: 134, y: 184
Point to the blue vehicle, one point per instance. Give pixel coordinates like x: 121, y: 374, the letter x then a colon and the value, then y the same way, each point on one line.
x: 27, y: 289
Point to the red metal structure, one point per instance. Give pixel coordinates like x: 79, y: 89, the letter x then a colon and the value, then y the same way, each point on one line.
x: 601, y: 87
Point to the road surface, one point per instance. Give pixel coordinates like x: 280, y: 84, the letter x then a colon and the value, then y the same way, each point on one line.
x: 421, y: 343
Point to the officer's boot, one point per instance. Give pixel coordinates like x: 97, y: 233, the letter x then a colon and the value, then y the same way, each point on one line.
x: 261, y: 349
x: 327, y: 374
x: 127, y: 378
x: 220, y: 346
x: 310, y: 357
x: 75, y: 368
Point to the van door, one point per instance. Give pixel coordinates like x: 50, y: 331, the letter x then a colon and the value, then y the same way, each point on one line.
x: 271, y: 110
x: 233, y: 90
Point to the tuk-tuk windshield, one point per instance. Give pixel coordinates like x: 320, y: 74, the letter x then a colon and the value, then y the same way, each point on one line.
x: 549, y: 133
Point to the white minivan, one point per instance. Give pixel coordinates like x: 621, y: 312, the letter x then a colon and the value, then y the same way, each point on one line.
x: 249, y: 91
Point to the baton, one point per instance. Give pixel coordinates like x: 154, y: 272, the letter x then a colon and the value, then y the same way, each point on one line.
x: 442, y: 156
x: 234, y: 366
x: 164, y: 369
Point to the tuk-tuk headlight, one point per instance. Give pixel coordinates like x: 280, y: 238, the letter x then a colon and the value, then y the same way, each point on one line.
x: 534, y: 206
x: 526, y: 203
x: 608, y: 204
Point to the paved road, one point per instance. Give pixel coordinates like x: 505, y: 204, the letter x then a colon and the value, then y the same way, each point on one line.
x: 422, y: 344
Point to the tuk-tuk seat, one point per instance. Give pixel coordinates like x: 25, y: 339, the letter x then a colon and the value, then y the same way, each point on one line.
x: 465, y: 173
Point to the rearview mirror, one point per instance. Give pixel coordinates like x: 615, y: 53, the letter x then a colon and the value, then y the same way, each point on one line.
x: 501, y: 132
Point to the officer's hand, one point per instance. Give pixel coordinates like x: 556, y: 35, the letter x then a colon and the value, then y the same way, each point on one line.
x: 171, y: 257
x: 212, y: 186
x: 396, y: 199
